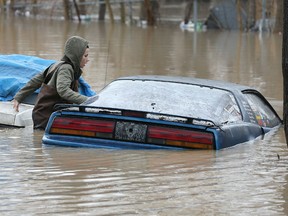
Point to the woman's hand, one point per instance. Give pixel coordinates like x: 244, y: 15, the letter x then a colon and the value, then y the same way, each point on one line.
x: 16, y: 105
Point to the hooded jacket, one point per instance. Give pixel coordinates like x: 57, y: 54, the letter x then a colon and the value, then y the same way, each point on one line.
x: 63, y: 76
x: 58, y: 83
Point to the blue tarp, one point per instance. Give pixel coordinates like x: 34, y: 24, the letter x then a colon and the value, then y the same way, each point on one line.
x: 16, y: 70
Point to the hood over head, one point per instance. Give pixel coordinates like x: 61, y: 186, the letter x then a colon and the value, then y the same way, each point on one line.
x: 74, y: 50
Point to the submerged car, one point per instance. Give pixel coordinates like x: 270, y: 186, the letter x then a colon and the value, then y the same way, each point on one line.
x: 164, y: 112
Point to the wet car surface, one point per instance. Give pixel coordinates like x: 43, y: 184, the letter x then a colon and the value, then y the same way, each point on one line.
x: 164, y: 112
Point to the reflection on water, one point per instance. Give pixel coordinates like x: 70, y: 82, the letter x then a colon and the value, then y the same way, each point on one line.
x: 248, y: 179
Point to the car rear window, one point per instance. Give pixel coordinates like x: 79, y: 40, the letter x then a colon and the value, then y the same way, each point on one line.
x: 171, y: 98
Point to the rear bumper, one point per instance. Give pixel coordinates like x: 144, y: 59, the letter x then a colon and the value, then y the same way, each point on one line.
x: 71, y: 141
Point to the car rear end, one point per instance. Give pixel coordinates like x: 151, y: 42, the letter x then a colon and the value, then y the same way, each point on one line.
x: 83, y: 126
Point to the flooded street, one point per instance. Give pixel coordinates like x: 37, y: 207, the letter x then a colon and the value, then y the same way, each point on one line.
x: 247, y: 179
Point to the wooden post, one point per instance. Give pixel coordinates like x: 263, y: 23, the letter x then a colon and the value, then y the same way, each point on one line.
x: 285, y: 67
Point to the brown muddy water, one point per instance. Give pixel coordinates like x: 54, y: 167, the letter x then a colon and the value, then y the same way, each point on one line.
x: 247, y: 179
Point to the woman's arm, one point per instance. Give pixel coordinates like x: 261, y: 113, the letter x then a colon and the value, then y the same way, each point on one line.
x: 30, y: 87
x: 65, y: 77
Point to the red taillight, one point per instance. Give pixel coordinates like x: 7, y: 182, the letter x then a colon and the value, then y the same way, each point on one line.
x: 82, y: 126
x: 180, y: 137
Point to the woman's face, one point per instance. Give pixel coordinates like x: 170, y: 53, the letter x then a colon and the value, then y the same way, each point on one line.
x: 84, y: 59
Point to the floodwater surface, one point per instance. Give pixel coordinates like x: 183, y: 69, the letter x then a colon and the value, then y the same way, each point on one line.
x: 247, y: 179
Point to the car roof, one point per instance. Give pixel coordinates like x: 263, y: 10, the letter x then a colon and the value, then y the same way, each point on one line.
x: 191, y: 80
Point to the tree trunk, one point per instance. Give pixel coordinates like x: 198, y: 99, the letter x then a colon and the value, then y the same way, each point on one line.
x: 102, y: 10
x: 150, y: 16
x: 82, y: 8
x: 285, y: 67
x: 122, y: 12
x: 2, y: 5
x: 66, y: 9
x: 12, y: 4
x: 110, y: 11
x: 258, y: 10
x: 239, y: 16
x: 251, y: 13
x: 77, y: 10
x: 188, y: 11
x: 35, y: 10
x: 279, y: 17
x: 143, y: 14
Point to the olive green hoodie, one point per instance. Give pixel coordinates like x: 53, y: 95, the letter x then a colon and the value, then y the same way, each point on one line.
x: 65, y: 74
